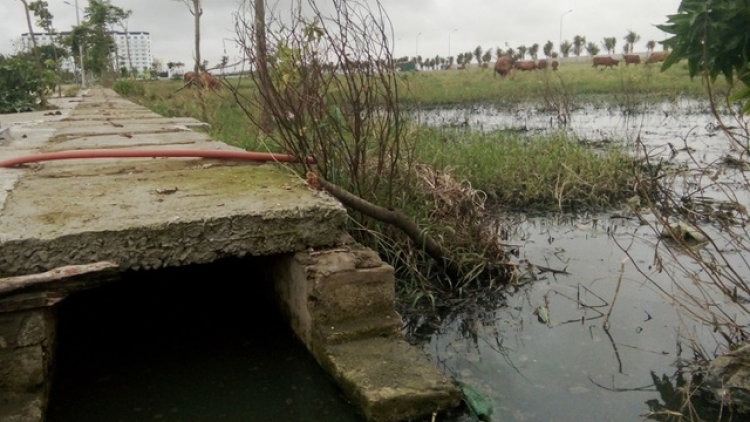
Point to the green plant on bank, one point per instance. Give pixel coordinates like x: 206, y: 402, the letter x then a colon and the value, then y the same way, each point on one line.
x: 713, y: 37
x: 128, y: 88
x: 19, y: 83
x: 543, y: 173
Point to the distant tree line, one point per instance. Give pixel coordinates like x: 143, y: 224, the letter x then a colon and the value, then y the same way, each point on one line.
x: 576, y: 47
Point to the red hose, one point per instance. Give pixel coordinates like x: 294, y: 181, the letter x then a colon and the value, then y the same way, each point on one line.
x: 117, y: 153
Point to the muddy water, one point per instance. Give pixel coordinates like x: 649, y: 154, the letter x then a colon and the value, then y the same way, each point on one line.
x: 203, y: 343
x: 570, y: 368
x: 655, y: 125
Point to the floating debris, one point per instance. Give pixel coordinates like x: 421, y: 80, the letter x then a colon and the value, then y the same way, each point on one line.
x: 478, y: 403
x: 542, y: 314
x: 685, y: 232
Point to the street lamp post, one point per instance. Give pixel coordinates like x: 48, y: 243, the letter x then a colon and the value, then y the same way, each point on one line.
x: 80, y: 47
x: 449, y: 42
x: 559, y: 46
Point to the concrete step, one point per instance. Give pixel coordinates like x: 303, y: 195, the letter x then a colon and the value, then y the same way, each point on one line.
x: 386, y: 324
x: 389, y: 380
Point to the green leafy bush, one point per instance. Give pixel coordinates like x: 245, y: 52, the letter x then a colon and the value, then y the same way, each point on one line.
x: 713, y: 37
x: 128, y: 88
x: 19, y: 84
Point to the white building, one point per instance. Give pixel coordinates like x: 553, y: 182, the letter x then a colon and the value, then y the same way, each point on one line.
x: 139, y: 43
x: 44, y: 39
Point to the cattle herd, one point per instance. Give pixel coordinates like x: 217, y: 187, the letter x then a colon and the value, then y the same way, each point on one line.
x: 505, y: 64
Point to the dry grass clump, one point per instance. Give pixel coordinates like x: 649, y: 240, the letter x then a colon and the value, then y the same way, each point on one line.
x: 550, y: 172
x: 455, y: 213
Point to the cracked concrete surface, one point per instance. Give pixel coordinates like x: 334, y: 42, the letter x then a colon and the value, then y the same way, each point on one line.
x: 144, y: 213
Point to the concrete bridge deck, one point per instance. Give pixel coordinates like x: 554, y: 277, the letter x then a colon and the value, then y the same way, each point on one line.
x: 151, y: 213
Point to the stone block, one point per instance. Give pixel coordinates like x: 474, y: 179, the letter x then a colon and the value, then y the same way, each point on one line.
x: 22, y: 369
x: 390, y: 380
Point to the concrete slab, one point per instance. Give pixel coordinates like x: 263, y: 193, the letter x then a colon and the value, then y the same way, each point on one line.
x: 146, y: 213
x: 390, y: 380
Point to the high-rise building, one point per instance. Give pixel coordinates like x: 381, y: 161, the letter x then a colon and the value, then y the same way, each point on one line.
x: 44, y: 39
x: 137, y: 43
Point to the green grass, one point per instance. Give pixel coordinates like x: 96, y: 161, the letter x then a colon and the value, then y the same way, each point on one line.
x: 543, y: 173
x: 579, y: 82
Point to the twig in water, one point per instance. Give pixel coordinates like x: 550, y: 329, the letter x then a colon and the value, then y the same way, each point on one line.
x: 617, y: 291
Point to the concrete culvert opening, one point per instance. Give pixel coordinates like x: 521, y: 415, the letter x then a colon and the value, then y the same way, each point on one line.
x: 195, y: 343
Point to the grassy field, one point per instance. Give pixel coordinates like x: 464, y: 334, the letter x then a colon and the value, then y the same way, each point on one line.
x: 574, y: 83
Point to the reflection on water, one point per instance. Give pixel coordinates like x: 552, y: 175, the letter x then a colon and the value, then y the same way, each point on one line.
x: 197, y: 344
x: 571, y: 368
x: 680, y: 123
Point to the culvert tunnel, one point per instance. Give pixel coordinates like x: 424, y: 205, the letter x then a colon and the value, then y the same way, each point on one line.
x: 194, y: 344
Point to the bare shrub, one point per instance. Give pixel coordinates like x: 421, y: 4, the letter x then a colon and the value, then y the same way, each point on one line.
x: 699, y: 214
x: 324, y: 84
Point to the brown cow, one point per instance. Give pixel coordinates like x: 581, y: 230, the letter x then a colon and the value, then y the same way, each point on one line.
x: 188, y: 77
x: 605, y: 61
x: 555, y: 64
x: 503, y: 65
x: 205, y: 80
x: 659, y: 56
x: 541, y: 64
x: 525, y: 65
x: 631, y: 58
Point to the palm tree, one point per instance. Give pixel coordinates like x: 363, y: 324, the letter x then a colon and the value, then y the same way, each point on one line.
x: 578, y: 42
x: 478, y: 54
x: 534, y: 50
x: 631, y: 39
x: 522, y: 51
x: 592, y: 49
x: 487, y: 57
x: 565, y: 48
x: 650, y: 46
x: 609, y: 44
x: 548, y: 46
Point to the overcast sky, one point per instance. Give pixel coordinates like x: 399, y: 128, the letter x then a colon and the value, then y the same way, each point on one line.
x: 426, y: 27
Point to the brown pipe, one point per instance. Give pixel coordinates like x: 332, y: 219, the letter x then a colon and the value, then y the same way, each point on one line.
x: 118, y: 153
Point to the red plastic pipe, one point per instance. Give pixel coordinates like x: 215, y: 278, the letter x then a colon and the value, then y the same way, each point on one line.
x: 118, y: 153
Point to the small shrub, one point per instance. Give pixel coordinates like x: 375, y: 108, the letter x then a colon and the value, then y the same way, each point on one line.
x: 20, y: 84
x: 71, y: 91
x: 129, y: 88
